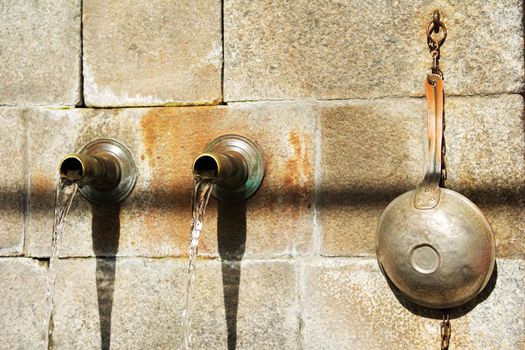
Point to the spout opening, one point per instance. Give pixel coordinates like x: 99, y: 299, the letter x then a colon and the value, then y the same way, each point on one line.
x: 72, y: 169
x: 206, y: 166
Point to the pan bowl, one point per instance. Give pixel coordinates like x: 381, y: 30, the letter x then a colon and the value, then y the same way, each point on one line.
x: 440, y: 257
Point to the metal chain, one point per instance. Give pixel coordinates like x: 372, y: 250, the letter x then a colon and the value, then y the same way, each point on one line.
x: 446, y: 330
x: 436, y: 35
x: 443, y: 153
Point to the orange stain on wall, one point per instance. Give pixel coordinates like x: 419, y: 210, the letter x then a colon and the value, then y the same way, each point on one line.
x: 298, y: 178
x: 172, y: 138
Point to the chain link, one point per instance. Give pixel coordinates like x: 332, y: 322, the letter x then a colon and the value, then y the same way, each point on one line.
x: 436, y: 35
x: 446, y: 330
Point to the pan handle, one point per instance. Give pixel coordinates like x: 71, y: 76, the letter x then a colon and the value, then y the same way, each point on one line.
x: 427, y: 193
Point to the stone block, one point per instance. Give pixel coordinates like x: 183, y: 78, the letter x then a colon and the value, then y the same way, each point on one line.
x: 53, y: 134
x: 485, y: 148
x: 40, y: 52
x: 22, y: 303
x: 347, y: 304
x: 145, y: 53
x: 373, y: 151
x: 276, y: 221
x: 132, y: 303
x: 155, y: 219
x: 355, y: 49
x: 12, y: 179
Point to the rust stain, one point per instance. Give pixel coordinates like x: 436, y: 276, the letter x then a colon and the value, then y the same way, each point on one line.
x: 172, y: 138
x: 41, y: 183
x: 161, y: 220
x: 149, y: 130
x: 42, y: 189
x: 292, y: 165
x: 298, y: 175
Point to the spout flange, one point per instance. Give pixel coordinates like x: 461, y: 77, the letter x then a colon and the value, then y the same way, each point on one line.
x: 121, y: 156
x: 249, y: 155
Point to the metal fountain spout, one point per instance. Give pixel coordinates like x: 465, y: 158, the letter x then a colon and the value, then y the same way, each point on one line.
x: 234, y: 163
x: 100, y: 171
x: 103, y: 169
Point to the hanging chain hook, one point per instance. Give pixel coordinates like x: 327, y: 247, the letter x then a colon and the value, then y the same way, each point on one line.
x: 436, y: 26
x: 436, y: 16
x: 436, y: 35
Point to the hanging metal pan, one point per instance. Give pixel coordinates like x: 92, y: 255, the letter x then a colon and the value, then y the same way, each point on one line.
x: 434, y: 244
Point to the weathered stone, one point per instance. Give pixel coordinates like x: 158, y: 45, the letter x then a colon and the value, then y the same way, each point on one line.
x: 174, y: 137
x: 155, y: 219
x: 347, y: 304
x: 52, y: 135
x: 485, y: 161
x: 356, y: 49
x: 373, y: 151
x: 22, y: 303
x: 137, y: 304
x: 40, y: 52
x: 147, y: 53
x: 12, y: 179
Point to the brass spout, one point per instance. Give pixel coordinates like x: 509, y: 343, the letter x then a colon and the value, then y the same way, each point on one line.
x: 225, y: 169
x: 103, y: 169
x: 234, y: 163
x: 101, y: 172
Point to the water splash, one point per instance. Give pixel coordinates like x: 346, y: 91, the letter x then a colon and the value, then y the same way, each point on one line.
x: 201, y: 193
x: 63, y: 198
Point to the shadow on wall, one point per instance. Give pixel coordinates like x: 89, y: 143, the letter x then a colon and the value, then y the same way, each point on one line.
x: 350, y: 194
x: 231, y: 237
x: 356, y: 196
x: 105, y: 234
x: 456, y: 312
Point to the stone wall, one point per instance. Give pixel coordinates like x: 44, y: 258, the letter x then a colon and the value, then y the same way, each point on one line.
x: 331, y: 91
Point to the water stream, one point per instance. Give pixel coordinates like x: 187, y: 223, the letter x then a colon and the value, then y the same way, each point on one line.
x: 201, y: 193
x: 64, y: 196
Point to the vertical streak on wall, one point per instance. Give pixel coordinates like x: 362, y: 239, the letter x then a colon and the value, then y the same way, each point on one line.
x: 26, y: 212
x: 222, y: 48
x: 317, y: 233
x: 299, y: 269
x: 81, y: 71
